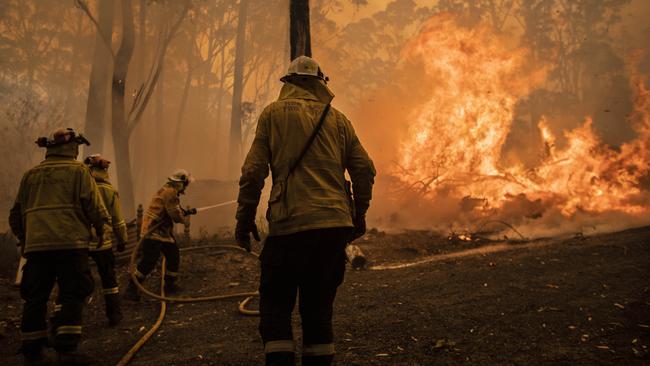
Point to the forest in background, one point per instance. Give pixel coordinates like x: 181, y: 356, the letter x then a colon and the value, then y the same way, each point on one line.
x: 175, y: 62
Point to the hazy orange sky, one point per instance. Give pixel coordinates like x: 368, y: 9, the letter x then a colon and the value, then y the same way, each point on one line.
x: 634, y: 30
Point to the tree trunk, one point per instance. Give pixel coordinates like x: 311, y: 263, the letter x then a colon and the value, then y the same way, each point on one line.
x: 71, y: 78
x: 141, y: 168
x: 161, y: 158
x: 183, y: 103
x: 237, y: 90
x: 119, y: 125
x: 355, y: 256
x: 99, y: 80
x: 300, y: 36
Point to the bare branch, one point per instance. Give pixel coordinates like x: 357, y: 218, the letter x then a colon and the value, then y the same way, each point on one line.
x: 81, y: 4
x: 154, y: 74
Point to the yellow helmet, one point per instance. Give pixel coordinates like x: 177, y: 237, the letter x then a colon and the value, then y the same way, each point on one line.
x: 304, y: 66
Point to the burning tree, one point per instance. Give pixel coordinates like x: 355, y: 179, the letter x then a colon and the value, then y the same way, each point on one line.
x: 455, y: 139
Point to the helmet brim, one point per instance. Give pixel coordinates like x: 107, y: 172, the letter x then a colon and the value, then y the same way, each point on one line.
x: 288, y: 77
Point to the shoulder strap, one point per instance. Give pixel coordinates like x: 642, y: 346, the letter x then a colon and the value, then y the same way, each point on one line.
x: 310, y: 141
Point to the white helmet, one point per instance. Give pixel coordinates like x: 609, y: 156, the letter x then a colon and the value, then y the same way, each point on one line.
x: 181, y: 175
x: 304, y: 66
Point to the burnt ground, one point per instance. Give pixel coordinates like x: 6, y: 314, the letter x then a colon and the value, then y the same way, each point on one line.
x: 571, y: 301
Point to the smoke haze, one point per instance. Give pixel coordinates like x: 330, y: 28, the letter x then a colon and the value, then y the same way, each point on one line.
x: 386, y: 61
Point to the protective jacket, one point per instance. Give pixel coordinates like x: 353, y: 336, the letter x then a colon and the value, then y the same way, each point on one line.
x: 314, y: 195
x: 164, y: 209
x: 111, y: 200
x: 57, y: 203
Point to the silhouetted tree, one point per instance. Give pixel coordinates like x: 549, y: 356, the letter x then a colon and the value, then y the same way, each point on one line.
x: 299, y: 32
x: 237, y: 89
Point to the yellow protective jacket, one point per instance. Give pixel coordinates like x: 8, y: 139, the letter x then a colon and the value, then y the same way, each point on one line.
x: 57, y: 203
x: 314, y: 195
x: 111, y: 201
x: 164, y: 210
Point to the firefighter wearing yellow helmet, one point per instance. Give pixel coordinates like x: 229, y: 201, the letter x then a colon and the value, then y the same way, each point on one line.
x: 308, y: 147
x: 158, y: 233
x: 57, y: 204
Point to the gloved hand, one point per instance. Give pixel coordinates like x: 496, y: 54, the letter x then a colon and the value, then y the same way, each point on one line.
x: 359, y: 226
x: 191, y: 211
x: 359, y: 220
x: 242, y: 234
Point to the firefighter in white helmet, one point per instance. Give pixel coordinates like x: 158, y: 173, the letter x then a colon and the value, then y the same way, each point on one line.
x: 158, y: 233
x: 308, y: 147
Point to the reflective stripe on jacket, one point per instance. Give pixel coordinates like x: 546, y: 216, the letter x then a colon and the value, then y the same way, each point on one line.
x: 164, y: 209
x: 111, y: 201
x: 314, y: 196
x: 57, y: 203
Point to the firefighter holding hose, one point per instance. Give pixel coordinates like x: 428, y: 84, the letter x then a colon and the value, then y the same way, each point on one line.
x: 158, y: 233
x: 308, y: 146
x: 57, y: 203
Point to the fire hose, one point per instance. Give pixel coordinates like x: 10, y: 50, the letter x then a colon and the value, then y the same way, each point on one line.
x: 248, y: 296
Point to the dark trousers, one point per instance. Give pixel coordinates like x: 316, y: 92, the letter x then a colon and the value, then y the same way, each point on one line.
x: 151, y: 250
x: 105, y: 261
x: 310, y: 265
x: 69, y: 269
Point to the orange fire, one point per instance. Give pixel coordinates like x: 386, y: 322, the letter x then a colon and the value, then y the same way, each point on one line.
x: 454, y: 142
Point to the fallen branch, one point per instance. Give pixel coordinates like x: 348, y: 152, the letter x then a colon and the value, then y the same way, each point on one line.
x: 502, y: 223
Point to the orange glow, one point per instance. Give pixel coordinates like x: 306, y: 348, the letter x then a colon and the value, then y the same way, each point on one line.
x: 455, y: 139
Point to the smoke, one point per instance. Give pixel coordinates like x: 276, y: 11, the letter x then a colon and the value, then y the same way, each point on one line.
x: 466, y: 133
x: 396, y: 99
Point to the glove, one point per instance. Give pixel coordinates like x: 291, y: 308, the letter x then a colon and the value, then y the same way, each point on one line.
x: 359, y: 226
x: 242, y: 234
x: 191, y: 211
x: 359, y: 221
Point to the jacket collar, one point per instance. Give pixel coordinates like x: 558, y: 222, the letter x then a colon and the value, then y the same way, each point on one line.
x: 53, y: 158
x: 176, y: 186
x: 69, y: 150
x: 100, y: 175
x: 306, y: 88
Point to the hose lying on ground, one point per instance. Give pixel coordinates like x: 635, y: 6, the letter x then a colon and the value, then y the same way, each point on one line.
x: 154, y: 328
x: 248, y: 296
x: 142, y: 289
x: 190, y: 299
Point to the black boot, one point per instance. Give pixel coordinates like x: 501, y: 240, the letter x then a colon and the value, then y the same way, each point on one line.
x: 113, y: 309
x: 36, y: 360
x: 171, y: 287
x: 33, y: 353
x: 280, y: 359
x: 324, y: 360
x: 132, y: 293
x: 73, y: 358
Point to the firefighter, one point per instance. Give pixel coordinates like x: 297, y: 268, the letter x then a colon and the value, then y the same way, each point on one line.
x: 57, y: 203
x: 158, y: 233
x: 102, y: 253
x: 308, y: 147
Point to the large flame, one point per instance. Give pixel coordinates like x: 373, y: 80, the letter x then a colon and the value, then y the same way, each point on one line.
x: 454, y: 142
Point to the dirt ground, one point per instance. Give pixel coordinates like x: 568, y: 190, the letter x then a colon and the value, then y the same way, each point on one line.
x: 561, y: 301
